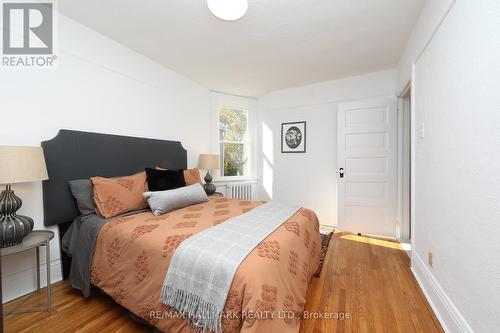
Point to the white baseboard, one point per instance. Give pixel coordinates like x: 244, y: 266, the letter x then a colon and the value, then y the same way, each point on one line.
x: 24, y: 282
x: 447, y: 313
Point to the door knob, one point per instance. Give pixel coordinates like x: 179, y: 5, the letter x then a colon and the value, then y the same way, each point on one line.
x: 341, y: 172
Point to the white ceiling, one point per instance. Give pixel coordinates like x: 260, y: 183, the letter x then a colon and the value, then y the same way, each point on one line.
x: 278, y: 44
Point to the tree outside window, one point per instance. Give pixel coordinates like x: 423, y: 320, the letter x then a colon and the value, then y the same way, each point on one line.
x: 233, y: 136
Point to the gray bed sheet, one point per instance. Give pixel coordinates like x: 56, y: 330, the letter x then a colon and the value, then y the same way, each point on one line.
x: 79, y: 243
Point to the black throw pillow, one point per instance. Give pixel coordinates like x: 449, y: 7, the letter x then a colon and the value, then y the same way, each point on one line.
x: 162, y: 180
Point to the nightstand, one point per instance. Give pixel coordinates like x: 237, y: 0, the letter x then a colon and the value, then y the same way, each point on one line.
x: 34, y: 240
x: 217, y: 194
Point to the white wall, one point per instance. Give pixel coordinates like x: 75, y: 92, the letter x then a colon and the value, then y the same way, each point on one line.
x: 100, y: 86
x: 430, y: 17
x: 309, y: 179
x: 457, y: 167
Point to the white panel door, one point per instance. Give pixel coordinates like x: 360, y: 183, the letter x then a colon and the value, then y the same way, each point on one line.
x: 366, y: 170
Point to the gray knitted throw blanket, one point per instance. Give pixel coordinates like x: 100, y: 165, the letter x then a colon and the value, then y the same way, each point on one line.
x: 203, y: 266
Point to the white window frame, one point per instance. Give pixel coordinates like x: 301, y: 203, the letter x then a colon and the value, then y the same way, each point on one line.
x: 246, y: 143
x: 248, y: 104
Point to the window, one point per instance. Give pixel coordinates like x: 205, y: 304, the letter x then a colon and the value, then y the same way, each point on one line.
x: 234, y: 142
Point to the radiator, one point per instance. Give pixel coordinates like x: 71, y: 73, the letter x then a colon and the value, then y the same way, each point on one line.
x: 240, y: 191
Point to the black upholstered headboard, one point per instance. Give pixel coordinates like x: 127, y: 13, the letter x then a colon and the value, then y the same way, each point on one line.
x: 78, y: 155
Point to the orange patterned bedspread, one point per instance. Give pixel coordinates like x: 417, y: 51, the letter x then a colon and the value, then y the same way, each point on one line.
x: 269, y: 289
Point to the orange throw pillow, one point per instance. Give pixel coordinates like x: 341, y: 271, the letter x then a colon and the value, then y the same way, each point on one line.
x: 191, y: 176
x: 114, y: 196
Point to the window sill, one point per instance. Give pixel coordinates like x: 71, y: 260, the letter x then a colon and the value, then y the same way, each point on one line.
x: 222, y: 180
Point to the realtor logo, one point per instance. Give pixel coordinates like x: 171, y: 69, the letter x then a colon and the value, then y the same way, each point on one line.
x: 28, y: 29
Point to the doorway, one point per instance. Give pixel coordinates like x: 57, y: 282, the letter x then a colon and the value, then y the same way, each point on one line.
x: 404, y: 167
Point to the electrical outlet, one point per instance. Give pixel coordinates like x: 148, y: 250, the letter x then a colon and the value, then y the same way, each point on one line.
x: 429, y: 258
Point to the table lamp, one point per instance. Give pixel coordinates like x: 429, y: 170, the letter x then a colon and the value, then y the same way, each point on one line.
x: 208, y: 162
x: 17, y: 165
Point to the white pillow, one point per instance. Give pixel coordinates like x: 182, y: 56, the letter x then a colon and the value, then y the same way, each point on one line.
x: 162, y: 202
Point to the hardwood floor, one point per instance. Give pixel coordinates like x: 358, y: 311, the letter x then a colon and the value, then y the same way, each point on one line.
x: 371, y: 280
x: 367, y: 278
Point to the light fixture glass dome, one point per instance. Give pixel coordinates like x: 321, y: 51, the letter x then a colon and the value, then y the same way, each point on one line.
x: 228, y: 10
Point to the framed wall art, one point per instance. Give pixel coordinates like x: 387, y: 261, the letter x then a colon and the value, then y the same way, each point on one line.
x: 293, y: 137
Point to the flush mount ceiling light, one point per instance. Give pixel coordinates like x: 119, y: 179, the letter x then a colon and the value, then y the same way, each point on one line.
x: 228, y: 10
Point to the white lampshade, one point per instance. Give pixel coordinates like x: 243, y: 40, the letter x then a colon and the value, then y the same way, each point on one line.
x: 228, y: 10
x: 22, y: 164
x: 208, y: 162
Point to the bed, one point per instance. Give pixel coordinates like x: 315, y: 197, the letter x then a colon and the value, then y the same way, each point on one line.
x: 132, y: 253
